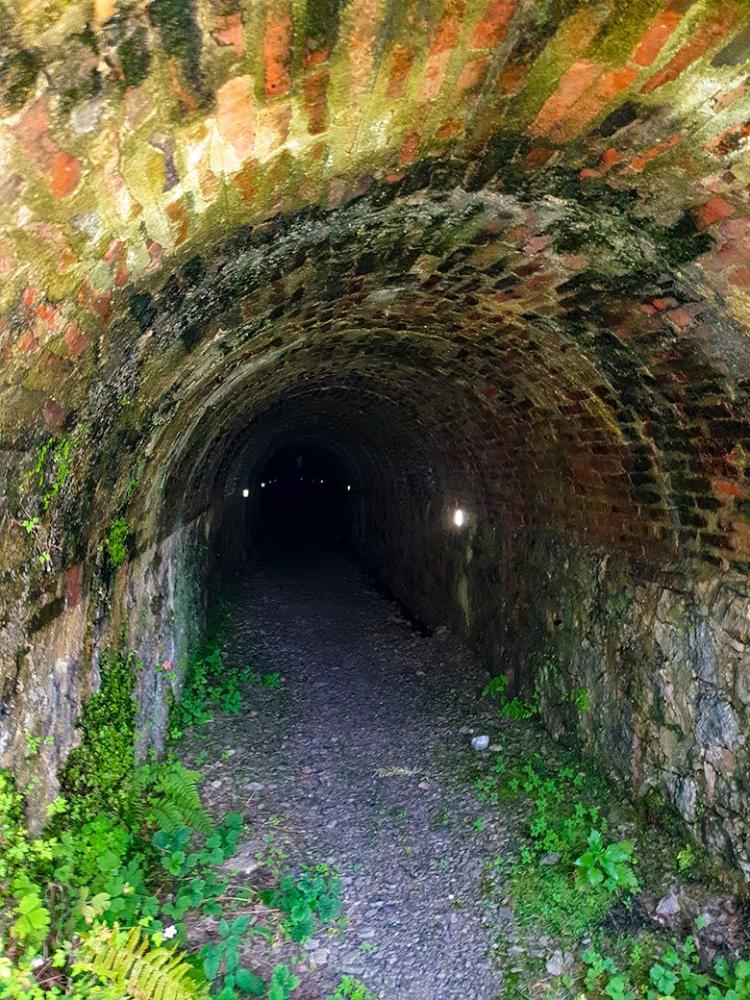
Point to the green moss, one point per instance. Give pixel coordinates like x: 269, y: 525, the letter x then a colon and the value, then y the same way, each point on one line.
x: 322, y: 23
x: 18, y: 76
x: 52, y: 468
x: 116, y: 541
x: 624, y: 29
x: 683, y: 241
x: 180, y: 37
x: 96, y: 771
x: 135, y: 57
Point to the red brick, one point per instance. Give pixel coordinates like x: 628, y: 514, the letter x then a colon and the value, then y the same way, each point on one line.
x: 703, y: 39
x: 576, y: 81
x: 492, y: 28
x: 657, y: 35
x: 401, y: 62
x: 276, y: 54
x: 714, y: 211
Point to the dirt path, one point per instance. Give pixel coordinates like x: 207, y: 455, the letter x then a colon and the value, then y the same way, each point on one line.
x: 349, y: 762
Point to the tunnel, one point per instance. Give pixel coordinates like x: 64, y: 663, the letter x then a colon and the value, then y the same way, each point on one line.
x: 458, y: 292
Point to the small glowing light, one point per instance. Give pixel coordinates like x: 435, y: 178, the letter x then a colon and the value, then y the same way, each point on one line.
x: 349, y: 488
x: 246, y: 493
x: 262, y: 486
x: 459, y: 517
x: 322, y: 481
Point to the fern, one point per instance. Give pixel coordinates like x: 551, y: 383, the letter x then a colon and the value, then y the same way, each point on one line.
x: 166, y: 795
x: 124, y: 960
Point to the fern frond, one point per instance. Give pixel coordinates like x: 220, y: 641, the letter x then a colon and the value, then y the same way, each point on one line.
x: 125, y: 960
x: 168, y: 795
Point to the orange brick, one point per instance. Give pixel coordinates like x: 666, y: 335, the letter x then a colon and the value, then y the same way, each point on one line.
x: 409, y: 149
x: 75, y: 340
x: 276, y: 44
x: 725, y: 490
x: 491, y: 30
x: 714, y: 211
x: 315, y: 88
x: 65, y: 171
x: 595, y: 99
x: 575, y: 82
x: 235, y: 115
x: 402, y: 60
x: 473, y: 74
x: 701, y: 41
x: 657, y: 35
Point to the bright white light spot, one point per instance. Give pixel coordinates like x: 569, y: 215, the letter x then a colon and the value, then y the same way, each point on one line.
x: 459, y: 517
x: 262, y: 486
x: 349, y: 488
x: 246, y: 493
x: 322, y: 481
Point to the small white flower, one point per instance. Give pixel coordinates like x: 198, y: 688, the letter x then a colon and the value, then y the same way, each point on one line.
x: 37, y: 963
x: 169, y: 932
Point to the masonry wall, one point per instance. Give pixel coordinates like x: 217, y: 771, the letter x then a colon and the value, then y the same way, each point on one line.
x: 647, y: 669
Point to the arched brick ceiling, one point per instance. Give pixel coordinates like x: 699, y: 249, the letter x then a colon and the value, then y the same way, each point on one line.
x: 136, y: 130
x: 525, y: 222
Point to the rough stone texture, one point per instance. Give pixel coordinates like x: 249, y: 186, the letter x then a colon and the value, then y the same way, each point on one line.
x: 490, y: 253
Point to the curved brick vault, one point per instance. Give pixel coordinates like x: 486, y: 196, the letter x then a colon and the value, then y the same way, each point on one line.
x: 490, y: 252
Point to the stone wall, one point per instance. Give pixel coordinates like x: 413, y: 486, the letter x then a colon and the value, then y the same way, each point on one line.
x: 648, y: 670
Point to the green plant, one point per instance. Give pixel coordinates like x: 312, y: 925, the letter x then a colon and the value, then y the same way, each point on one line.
x: 221, y: 961
x: 52, y: 467
x: 129, y: 854
x: 496, y: 687
x: 610, y: 865
x: 209, y: 682
x: 518, y: 708
x: 351, y: 989
x: 126, y: 961
x: 96, y: 771
x: 116, y: 541
x: 283, y: 983
x: 316, y: 893
x: 580, y: 698
x: 32, y: 744
x: 686, y: 858
x: 32, y: 916
x: 671, y: 972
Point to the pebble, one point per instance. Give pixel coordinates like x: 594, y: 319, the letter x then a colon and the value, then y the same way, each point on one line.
x: 480, y: 742
x: 550, y: 859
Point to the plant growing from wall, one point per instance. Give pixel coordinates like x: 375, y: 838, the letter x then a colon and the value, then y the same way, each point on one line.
x: 116, y: 541
x: 514, y: 708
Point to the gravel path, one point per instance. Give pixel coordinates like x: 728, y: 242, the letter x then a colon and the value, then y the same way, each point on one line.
x: 353, y: 761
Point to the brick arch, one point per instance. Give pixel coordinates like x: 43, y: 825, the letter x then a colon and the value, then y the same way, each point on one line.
x: 515, y: 235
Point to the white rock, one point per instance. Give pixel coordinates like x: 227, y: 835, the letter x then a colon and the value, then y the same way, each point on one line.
x: 480, y: 742
x: 558, y: 963
x: 669, y: 905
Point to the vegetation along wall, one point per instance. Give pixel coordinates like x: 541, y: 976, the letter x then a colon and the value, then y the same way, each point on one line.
x: 493, y: 253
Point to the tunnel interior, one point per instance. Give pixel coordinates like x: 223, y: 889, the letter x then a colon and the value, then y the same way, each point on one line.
x: 303, y: 498
x: 487, y: 258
